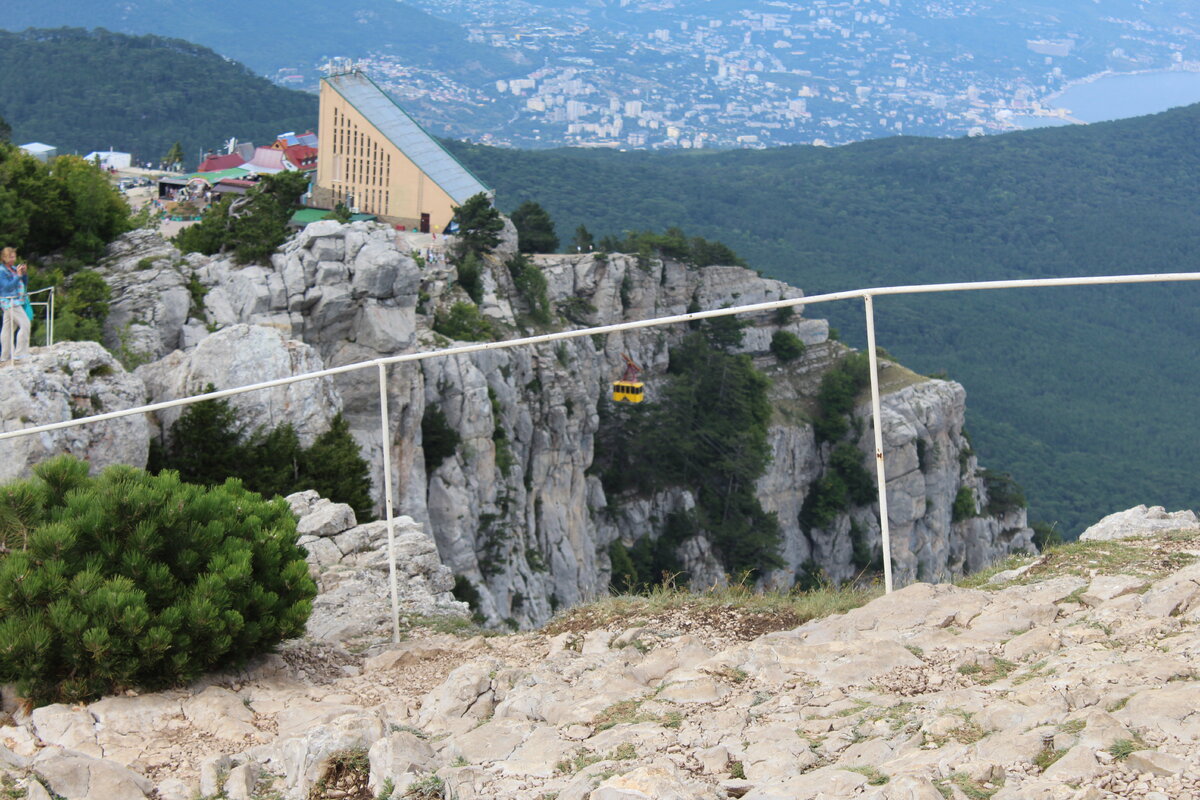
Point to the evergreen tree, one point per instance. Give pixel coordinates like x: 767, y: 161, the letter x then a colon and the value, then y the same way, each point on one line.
x: 174, y: 155
x: 128, y: 580
x: 583, y: 241
x: 253, y: 228
x: 479, y: 225
x: 535, y: 229
x: 205, y: 445
x: 335, y: 469
x: 5, y: 131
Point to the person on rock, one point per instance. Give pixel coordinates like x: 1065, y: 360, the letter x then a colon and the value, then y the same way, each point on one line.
x: 14, y: 280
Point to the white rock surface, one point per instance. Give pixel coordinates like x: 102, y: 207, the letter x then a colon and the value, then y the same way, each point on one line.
x: 1140, y: 521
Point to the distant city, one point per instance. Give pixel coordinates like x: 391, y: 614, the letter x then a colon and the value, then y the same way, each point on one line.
x: 639, y: 74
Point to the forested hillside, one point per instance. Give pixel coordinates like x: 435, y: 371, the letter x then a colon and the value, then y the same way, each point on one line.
x: 84, y: 91
x: 1085, y: 395
x: 268, y: 34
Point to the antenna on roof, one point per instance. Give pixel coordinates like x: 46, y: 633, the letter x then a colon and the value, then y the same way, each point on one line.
x: 339, y: 65
x: 231, y: 145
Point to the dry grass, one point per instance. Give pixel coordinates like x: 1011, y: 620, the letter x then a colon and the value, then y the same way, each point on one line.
x: 736, y: 613
x: 1150, y: 557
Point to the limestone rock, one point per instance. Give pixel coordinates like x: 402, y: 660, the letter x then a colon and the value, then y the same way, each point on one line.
x: 241, y: 355
x: 1140, y: 521
x: 64, y: 382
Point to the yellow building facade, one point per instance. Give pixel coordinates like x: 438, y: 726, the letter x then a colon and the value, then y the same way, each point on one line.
x: 376, y: 159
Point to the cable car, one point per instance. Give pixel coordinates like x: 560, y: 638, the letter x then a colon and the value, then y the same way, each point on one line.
x: 628, y: 389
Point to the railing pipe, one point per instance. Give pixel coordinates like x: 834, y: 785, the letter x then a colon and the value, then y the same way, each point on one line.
x: 387, y: 500
x: 880, y: 471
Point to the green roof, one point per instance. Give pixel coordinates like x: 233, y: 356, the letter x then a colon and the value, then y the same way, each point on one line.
x: 213, y: 177
x: 304, y: 216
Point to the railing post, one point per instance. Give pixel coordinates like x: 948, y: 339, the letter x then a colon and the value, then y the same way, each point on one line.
x: 880, y: 472
x: 385, y: 428
x: 50, y: 319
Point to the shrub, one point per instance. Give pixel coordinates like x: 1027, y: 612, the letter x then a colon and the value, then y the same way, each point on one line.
x: 469, y: 277
x: 531, y: 285
x: 208, y: 444
x: 1003, y: 493
x: 786, y: 346
x: 136, y: 580
x: 964, y: 505
x: 465, y: 323
x: 438, y: 439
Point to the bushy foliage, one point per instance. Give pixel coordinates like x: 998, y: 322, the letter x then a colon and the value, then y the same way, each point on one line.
x: 964, y: 506
x: 786, y: 346
x: 464, y: 322
x: 707, y: 432
x: 134, y: 580
x: 254, y: 230
x: 209, y: 444
x: 438, y: 439
x: 845, y: 483
x: 675, y: 244
x: 1003, y: 493
x: 479, y: 225
x: 836, y: 395
x: 531, y: 286
x: 469, y: 276
x: 535, y: 229
x: 69, y: 207
x: 81, y: 299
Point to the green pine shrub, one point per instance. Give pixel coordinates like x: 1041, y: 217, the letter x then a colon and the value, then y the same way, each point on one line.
x: 786, y: 346
x: 209, y: 444
x: 964, y: 505
x: 438, y: 439
x: 129, y: 579
x: 464, y: 323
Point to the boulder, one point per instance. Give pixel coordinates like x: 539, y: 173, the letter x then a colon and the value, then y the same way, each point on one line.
x: 64, y: 382
x: 1140, y: 521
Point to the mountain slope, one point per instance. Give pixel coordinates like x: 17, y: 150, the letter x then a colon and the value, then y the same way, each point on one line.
x: 1083, y: 394
x: 268, y: 34
x: 83, y: 91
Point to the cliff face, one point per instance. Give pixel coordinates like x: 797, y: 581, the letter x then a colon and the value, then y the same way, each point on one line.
x: 514, y: 508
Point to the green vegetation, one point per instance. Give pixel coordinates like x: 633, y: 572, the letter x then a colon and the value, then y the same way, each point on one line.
x: 208, y: 444
x: 1045, y: 369
x: 131, y: 580
x: 253, y: 226
x: 438, y: 440
x: 964, y: 507
x: 139, y: 93
x: 465, y: 323
x: 479, y: 226
x: 531, y: 286
x: 706, y: 432
x: 786, y: 346
x: 69, y: 206
x: 535, y: 229
x: 695, y: 252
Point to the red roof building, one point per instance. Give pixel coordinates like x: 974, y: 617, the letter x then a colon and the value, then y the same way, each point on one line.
x: 301, y: 156
x: 213, y: 163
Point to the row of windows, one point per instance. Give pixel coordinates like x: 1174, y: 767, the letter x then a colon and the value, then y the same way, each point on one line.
x: 361, y: 162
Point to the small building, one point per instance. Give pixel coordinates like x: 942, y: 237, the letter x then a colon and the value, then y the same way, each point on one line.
x: 374, y: 158
x: 110, y: 159
x: 42, y: 152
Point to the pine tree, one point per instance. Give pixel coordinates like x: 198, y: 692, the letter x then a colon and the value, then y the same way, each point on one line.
x: 133, y: 580
x: 479, y: 225
x: 334, y: 468
x: 535, y: 229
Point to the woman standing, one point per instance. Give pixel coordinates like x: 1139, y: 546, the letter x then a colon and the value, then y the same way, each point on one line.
x: 14, y: 279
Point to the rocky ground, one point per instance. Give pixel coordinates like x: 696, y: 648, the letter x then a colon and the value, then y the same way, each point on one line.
x: 1070, y: 675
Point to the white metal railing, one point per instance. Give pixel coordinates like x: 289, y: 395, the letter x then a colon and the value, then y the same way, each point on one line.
x: 381, y: 364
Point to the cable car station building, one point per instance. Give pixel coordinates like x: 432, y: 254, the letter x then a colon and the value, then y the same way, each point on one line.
x: 374, y: 158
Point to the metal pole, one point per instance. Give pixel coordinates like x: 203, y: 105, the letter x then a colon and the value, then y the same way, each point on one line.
x: 50, y: 320
x: 880, y: 472
x: 385, y: 427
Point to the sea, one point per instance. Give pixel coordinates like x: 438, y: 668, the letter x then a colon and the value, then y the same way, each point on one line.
x: 1121, y: 95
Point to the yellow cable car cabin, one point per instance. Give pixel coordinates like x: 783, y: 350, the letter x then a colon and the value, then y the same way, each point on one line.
x: 629, y: 389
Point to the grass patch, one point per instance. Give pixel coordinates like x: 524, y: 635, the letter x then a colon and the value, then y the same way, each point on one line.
x: 874, y: 777
x: 452, y: 624
x: 736, y: 612
x: 1038, y: 670
x: 582, y: 759
x: 629, y: 712
x: 991, y: 672
x: 1048, y: 756
x: 1072, y: 726
x: 1143, y: 557
x: 967, y: 785
x: 737, y: 770
x: 1121, y: 749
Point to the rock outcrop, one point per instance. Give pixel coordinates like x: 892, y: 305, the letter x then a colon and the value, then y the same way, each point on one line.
x: 68, y: 381
x: 1074, y: 677
x: 514, y: 510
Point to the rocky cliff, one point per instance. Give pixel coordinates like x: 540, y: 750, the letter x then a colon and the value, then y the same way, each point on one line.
x: 515, y: 509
